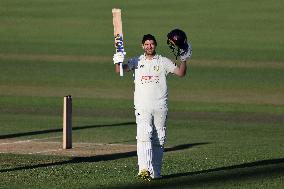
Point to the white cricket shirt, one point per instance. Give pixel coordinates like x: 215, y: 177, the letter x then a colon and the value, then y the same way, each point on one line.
x: 150, y: 79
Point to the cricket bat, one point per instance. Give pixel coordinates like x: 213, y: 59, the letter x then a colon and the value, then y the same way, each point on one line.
x: 118, y: 35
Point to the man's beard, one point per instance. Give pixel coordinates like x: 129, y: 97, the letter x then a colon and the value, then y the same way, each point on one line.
x: 150, y: 52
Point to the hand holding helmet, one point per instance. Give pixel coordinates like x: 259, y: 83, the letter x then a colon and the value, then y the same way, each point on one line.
x: 177, y: 41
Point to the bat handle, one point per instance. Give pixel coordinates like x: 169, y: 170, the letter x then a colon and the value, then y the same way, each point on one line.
x: 120, y: 69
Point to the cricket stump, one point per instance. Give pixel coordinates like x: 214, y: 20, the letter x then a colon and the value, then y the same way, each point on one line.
x: 67, y: 122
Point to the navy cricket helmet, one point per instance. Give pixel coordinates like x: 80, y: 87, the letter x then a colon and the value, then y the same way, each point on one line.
x: 177, y: 41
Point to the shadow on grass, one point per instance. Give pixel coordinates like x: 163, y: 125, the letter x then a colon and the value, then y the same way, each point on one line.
x: 258, y: 170
x: 98, y: 158
x: 15, y: 135
x: 218, y: 177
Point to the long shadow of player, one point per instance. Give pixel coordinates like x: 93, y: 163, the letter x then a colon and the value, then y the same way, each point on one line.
x: 107, y: 157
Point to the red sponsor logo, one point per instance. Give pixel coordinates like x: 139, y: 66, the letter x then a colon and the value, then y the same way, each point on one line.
x: 149, y: 78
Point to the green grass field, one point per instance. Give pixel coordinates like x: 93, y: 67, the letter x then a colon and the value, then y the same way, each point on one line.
x: 226, y: 117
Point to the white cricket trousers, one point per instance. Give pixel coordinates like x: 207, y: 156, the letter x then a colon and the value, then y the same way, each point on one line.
x: 151, y: 136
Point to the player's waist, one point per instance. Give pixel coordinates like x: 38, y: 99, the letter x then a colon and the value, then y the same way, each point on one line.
x: 150, y: 102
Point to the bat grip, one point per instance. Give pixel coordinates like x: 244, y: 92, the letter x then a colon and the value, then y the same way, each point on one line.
x: 119, y: 48
x: 120, y: 69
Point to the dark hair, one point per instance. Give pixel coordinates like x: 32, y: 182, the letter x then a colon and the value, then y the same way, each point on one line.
x: 149, y: 37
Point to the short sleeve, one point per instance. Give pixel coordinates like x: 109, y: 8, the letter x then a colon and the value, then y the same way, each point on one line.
x: 170, y: 66
x: 132, y: 63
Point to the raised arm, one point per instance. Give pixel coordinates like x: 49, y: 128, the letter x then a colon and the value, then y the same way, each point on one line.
x: 181, y: 69
x: 124, y: 66
x: 184, y: 57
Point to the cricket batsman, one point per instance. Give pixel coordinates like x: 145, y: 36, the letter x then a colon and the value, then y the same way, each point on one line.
x: 150, y: 71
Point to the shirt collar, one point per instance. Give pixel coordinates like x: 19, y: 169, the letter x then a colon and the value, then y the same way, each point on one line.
x: 154, y: 57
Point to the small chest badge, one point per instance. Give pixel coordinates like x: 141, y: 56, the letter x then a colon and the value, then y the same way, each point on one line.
x: 156, y: 68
